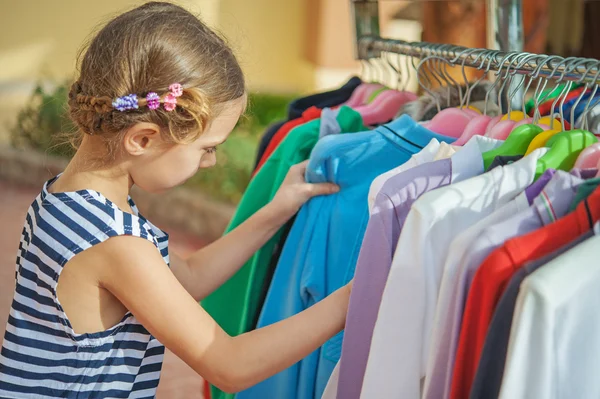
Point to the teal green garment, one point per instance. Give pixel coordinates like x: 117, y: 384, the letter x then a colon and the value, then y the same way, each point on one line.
x: 234, y: 306
x: 584, y: 190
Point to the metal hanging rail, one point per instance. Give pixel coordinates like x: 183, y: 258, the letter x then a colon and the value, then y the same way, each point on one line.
x: 569, y: 69
x: 505, y: 30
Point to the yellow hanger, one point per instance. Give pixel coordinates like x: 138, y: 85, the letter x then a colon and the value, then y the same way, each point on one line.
x: 516, y: 116
x: 541, y: 139
x: 550, y: 121
x: 472, y: 108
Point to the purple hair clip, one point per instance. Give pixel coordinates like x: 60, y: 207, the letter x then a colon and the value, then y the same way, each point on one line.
x: 125, y: 103
x: 153, y: 100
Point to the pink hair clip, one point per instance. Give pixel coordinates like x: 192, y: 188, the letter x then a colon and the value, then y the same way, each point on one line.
x: 170, y: 101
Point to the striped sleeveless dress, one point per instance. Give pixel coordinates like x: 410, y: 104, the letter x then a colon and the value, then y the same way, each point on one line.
x: 42, y: 357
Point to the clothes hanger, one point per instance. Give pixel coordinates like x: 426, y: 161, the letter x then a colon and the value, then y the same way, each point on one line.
x: 558, y: 128
x: 477, y: 125
x: 505, y: 124
x: 564, y: 150
x: 589, y: 157
x: 364, y: 90
x: 449, y: 122
x: 387, y: 104
x: 566, y: 147
x: 504, y: 129
x: 518, y: 140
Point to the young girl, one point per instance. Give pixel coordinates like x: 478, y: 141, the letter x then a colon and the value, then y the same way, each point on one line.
x: 95, y: 300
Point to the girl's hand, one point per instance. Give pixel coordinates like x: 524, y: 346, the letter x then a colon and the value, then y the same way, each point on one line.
x: 295, y: 191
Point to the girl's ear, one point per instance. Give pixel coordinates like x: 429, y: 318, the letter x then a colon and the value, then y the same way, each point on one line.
x: 141, y: 138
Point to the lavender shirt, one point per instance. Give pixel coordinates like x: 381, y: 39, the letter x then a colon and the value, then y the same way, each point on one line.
x: 392, y: 205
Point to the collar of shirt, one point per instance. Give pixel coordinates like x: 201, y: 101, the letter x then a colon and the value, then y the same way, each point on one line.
x: 468, y: 162
x: 556, y: 197
x: 329, y: 123
x: 405, y: 129
x: 421, y: 157
x: 597, y: 229
x: 445, y: 151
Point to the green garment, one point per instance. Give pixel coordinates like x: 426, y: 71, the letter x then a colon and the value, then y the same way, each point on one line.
x: 584, y: 190
x: 234, y: 305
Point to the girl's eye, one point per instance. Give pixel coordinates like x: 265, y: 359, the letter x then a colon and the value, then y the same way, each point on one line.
x: 211, y: 150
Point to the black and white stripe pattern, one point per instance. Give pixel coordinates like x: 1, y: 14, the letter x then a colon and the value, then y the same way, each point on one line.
x: 42, y: 357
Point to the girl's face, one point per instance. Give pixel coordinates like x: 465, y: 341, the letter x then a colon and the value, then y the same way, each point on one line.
x: 165, y: 166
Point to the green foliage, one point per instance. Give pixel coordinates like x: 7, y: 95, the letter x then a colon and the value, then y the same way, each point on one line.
x: 41, y: 125
x: 264, y: 109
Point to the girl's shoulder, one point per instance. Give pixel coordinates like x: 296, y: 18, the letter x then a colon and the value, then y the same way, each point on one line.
x: 83, y: 218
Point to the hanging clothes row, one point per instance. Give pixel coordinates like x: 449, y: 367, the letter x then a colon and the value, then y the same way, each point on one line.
x: 467, y: 232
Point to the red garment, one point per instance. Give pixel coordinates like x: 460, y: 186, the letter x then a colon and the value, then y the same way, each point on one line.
x: 495, y: 273
x: 546, y: 107
x: 307, y: 116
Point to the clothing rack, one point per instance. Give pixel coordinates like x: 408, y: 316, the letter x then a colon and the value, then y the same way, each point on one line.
x: 505, y: 33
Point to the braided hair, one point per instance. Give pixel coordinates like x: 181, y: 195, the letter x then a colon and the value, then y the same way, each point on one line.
x: 146, y: 50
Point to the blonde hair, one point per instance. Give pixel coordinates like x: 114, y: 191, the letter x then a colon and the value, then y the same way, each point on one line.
x: 146, y: 50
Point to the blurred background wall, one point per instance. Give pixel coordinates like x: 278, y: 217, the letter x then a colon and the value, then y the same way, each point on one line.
x: 285, y: 46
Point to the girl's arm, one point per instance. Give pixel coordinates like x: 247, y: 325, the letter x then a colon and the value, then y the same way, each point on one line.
x: 210, y: 267
x: 133, y: 270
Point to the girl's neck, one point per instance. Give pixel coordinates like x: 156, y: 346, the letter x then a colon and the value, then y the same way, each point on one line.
x: 85, y: 171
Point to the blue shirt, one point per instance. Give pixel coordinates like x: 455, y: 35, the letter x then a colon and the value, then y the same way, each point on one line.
x: 322, y: 248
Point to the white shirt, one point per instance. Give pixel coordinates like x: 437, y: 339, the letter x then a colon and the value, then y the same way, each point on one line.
x: 427, y: 154
x: 331, y: 388
x: 400, y: 344
x: 438, y: 379
x: 554, y: 347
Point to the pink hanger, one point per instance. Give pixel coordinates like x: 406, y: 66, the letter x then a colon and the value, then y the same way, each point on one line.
x: 501, y: 130
x: 523, y: 122
x: 475, y: 127
x: 450, y: 122
x: 471, y: 112
x: 589, y: 158
x: 361, y: 94
x: 385, y: 107
x: 491, y: 125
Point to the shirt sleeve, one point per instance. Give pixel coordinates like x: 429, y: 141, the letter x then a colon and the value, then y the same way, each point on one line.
x: 484, y: 294
x: 394, y: 364
x: 528, y: 370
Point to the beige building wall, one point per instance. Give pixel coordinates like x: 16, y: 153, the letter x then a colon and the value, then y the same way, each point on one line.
x: 284, y: 46
x: 269, y: 36
x: 43, y: 37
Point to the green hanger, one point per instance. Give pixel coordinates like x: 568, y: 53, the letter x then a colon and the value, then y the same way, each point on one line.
x: 516, y: 143
x: 564, y: 149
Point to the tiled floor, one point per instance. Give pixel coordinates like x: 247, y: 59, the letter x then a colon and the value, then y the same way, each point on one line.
x: 178, y: 380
